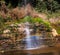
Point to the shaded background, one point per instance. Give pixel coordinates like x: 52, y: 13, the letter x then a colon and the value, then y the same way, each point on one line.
x: 32, y: 2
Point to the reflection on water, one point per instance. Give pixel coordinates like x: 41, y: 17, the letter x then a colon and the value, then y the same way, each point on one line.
x: 32, y: 42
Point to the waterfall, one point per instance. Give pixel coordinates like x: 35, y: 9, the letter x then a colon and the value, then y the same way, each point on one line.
x: 31, y: 42
x: 28, y: 37
x: 27, y: 32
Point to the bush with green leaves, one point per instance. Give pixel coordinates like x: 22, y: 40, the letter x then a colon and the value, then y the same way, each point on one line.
x: 26, y: 19
x: 37, y: 19
x: 41, y: 5
x: 40, y: 20
x: 49, y: 5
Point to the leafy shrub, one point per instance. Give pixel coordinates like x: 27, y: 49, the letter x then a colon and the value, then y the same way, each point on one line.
x: 41, y: 21
x: 26, y: 19
x: 47, y: 24
x: 37, y: 20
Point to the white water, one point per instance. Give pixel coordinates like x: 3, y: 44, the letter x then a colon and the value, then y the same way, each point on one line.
x: 28, y: 39
x: 27, y: 32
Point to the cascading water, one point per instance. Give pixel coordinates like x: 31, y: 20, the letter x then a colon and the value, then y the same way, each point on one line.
x: 30, y: 42
x: 27, y: 32
x: 28, y: 39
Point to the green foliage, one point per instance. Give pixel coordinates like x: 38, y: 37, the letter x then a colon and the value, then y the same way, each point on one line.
x: 41, y: 6
x: 53, y: 6
x: 47, y: 24
x: 26, y: 19
x: 40, y: 20
x: 49, y: 5
x: 56, y: 5
x: 9, y: 5
x: 35, y: 20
